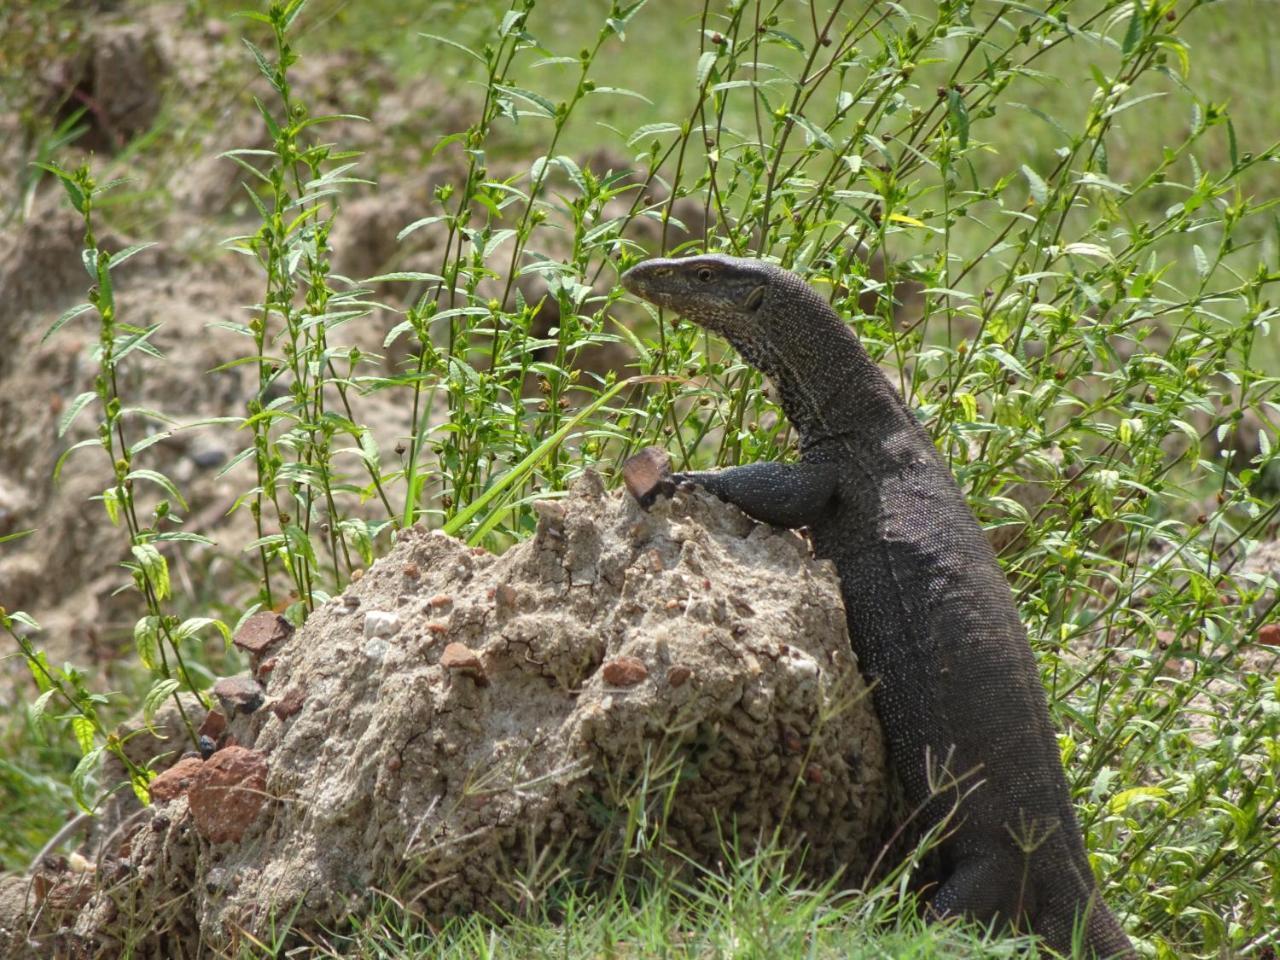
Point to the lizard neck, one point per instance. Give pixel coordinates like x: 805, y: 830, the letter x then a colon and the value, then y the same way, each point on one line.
x: 829, y: 388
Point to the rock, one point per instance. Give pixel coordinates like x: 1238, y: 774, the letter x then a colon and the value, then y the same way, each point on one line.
x: 261, y: 633
x: 238, y: 695
x: 1269, y: 634
x: 678, y: 675
x: 175, y: 781
x: 624, y: 671
x: 227, y: 793
x: 380, y: 623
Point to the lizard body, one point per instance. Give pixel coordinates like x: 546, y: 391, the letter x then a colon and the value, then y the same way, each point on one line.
x: 929, y: 610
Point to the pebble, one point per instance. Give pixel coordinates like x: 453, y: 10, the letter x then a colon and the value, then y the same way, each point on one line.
x: 380, y: 623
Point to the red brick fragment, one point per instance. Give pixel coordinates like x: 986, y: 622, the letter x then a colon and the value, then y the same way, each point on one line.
x: 175, y: 781
x: 227, y: 793
x: 261, y: 632
x: 625, y: 671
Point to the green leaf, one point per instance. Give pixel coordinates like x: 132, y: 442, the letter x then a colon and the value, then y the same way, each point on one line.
x: 1125, y: 799
x: 146, y: 641
x: 160, y: 691
x: 73, y: 410
x: 410, y: 275
x: 453, y: 43
x: 652, y: 130
x: 68, y: 315
x: 1039, y: 190
x: 292, y: 15
x: 1133, y: 35
x: 83, y: 729
x: 193, y: 625
x: 541, y: 104
x: 68, y: 181
x: 87, y: 442
x: 959, y: 115
x: 705, y: 63
x: 126, y: 253
x: 266, y: 70
x: 154, y: 566
x: 815, y: 133
x: 160, y: 480
x: 40, y: 709
x: 111, y: 502
x: 80, y: 778
x: 1202, y: 261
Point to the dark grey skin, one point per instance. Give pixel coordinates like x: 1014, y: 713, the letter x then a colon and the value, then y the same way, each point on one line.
x: 930, y: 612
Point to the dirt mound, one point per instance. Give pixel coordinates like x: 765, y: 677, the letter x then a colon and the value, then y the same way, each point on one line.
x: 457, y: 722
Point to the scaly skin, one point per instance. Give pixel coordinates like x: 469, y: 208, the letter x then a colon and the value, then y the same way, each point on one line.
x: 930, y: 612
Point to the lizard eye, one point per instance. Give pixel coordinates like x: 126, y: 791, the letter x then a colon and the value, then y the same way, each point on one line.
x: 704, y: 274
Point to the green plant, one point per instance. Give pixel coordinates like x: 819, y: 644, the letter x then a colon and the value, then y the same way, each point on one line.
x: 1083, y: 326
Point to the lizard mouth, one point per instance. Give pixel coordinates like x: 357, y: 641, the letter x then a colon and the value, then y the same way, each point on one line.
x: 639, y: 280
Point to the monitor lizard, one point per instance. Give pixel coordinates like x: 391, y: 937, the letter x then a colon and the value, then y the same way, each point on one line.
x: 930, y: 613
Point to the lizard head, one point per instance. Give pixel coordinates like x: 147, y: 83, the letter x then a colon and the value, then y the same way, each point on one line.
x: 727, y: 295
x: 720, y: 293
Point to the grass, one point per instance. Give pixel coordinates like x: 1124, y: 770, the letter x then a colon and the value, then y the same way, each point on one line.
x: 1097, y: 273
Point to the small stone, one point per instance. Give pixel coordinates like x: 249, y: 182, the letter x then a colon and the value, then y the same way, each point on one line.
x: 648, y: 476
x: 678, y: 675
x: 1269, y: 635
x: 350, y: 602
x: 624, y: 671
x: 261, y: 632
x: 411, y: 571
x: 813, y: 773
x: 460, y: 658
x: 238, y: 694
x: 380, y: 623
x: 175, y: 781
x: 214, y: 725
x: 289, y: 704
x: 207, y: 747
x: 227, y: 793
x: 440, y: 600
x: 206, y: 458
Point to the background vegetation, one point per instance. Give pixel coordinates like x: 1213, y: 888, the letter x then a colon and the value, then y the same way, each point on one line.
x: 1048, y: 223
